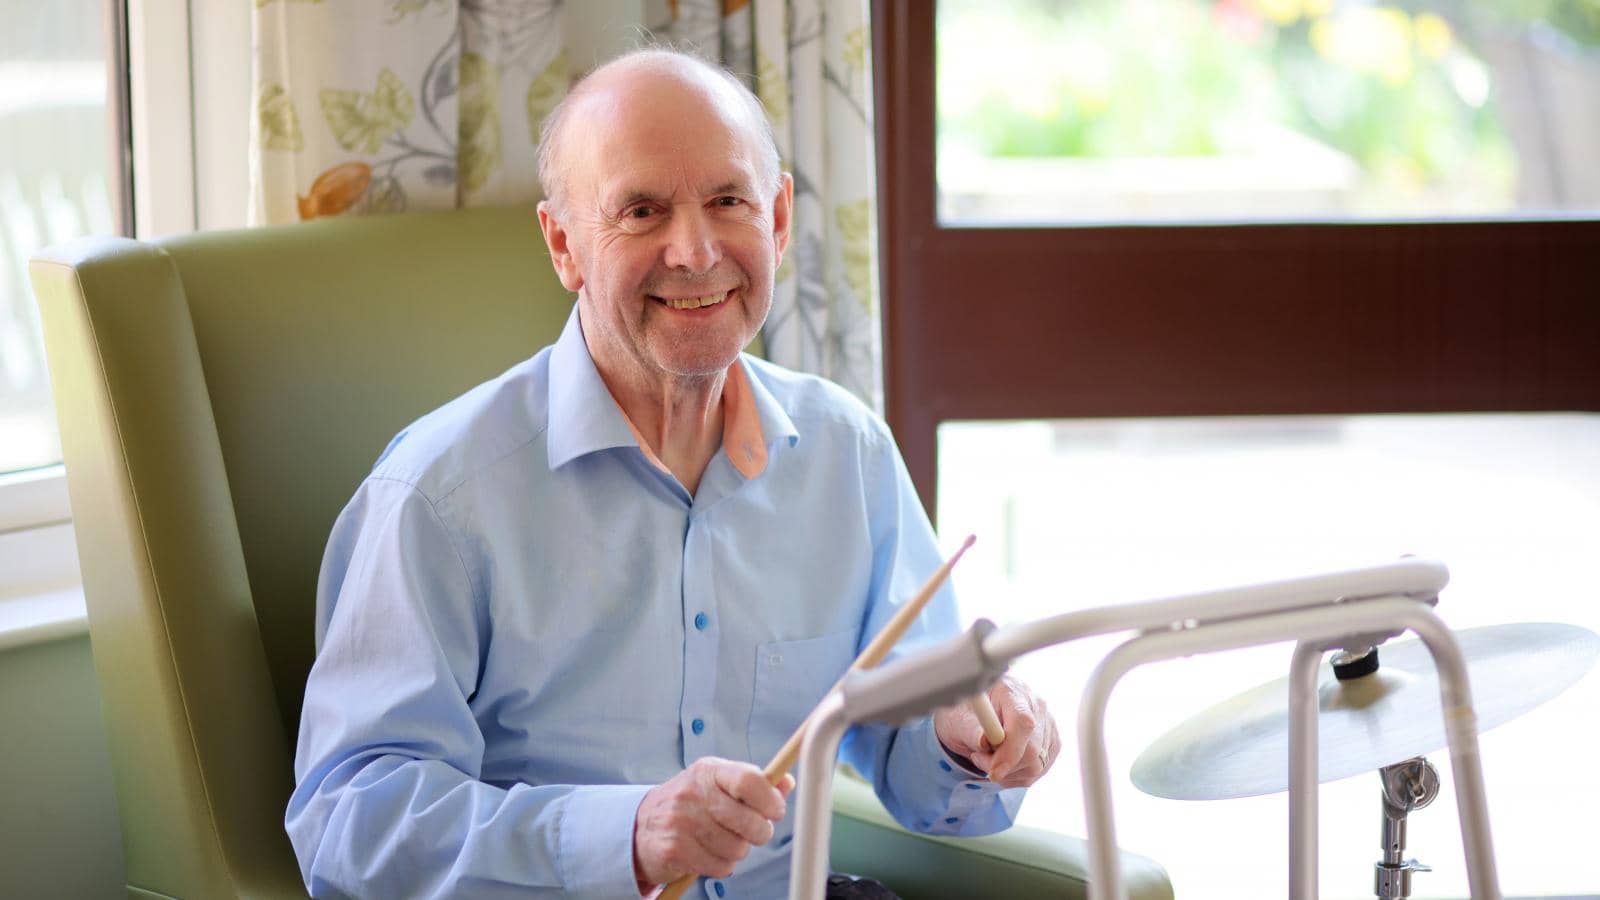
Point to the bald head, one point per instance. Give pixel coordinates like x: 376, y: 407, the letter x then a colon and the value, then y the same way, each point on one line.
x: 633, y: 79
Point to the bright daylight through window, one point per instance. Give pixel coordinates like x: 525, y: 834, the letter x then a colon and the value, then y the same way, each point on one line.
x: 1077, y: 514
x: 1076, y: 111
x: 54, y: 160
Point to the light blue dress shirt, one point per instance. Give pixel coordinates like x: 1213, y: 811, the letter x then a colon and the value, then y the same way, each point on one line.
x: 523, y: 625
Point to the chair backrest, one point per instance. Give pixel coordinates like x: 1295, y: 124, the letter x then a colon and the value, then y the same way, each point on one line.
x: 221, y: 396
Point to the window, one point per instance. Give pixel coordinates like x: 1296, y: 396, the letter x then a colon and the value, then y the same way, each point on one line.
x: 1162, y: 110
x: 61, y: 159
x: 1206, y: 319
x: 1209, y: 348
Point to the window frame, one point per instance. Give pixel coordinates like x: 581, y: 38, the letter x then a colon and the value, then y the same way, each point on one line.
x: 1361, y: 317
x: 151, y: 61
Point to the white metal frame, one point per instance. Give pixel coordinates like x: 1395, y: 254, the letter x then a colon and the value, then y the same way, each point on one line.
x: 159, y: 81
x: 1357, y: 607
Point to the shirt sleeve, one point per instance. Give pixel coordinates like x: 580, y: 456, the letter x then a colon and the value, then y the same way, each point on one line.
x: 388, y: 801
x: 920, y: 784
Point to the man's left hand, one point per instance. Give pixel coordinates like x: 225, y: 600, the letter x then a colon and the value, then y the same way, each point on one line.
x: 1031, y: 743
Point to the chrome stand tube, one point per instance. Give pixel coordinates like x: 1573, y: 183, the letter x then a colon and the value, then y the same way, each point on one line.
x: 1407, y: 786
x: 813, y: 818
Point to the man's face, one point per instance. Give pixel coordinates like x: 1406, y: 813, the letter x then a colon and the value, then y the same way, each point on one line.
x: 669, y: 230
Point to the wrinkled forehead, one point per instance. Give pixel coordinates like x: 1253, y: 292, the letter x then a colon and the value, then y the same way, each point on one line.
x: 656, y: 137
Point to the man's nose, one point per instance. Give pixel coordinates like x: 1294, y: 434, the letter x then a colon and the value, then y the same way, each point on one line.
x: 691, y: 242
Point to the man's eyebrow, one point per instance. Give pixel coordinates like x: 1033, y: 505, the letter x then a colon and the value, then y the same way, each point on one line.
x: 629, y: 197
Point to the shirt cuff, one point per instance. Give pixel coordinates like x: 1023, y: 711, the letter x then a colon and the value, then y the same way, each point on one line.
x: 961, y: 762
x: 950, y: 771
x: 596, y: 840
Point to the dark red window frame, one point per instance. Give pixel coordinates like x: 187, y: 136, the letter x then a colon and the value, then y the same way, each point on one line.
x: 1011, y: 323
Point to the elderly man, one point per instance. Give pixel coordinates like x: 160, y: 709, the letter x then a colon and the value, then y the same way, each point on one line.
x: 568, y: 611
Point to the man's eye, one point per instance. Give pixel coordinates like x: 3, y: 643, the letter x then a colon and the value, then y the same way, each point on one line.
x: 729, y: 201
x: 641, y: 212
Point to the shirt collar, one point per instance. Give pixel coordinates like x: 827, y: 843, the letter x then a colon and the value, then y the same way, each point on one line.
x: 585, y: 418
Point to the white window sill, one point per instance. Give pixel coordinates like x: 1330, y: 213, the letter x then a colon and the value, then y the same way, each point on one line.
x: 31, y: 498
x: 42, y: 617
x: 41, y: 592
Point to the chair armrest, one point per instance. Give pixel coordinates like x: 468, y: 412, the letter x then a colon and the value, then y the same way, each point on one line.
x: 1020, y: 862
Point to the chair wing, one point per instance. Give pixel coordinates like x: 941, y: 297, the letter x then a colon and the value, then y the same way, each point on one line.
x: 221, y: 396
x: 176, y: 649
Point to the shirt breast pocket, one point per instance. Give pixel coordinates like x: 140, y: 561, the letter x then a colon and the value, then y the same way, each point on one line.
x: 791, y: 677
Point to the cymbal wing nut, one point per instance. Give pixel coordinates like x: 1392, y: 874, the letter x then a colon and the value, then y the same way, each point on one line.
x: 1394, y: 882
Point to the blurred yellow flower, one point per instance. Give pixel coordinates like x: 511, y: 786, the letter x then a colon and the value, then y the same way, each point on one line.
x: 1375, y: 39
x: 1433, y: 34
x: 1281, y: 12
x: 1284, y: 13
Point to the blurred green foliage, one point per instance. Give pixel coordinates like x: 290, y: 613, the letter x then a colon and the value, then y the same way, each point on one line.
x: 1577, y: 19
x: 1401, y: 88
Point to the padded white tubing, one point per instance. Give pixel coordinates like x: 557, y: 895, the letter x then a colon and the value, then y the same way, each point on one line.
x: 1417, y: 578
x: 1303, y: 671
x: 813, y: 820
x: 1325, y: 624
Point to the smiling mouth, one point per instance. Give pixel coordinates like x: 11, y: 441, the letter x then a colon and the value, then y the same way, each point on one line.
x: 694, y: 302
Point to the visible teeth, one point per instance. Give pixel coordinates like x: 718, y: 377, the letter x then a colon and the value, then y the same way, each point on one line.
x: 696, y: 302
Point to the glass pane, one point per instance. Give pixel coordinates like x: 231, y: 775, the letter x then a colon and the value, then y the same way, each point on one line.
x: 1071, y: 515
x: 54, y: 160
x: 1075, y: 111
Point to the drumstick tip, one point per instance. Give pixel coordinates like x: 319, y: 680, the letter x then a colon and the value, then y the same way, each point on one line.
x: 965, y: 544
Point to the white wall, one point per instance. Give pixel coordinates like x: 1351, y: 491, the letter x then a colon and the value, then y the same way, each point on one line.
x: 59, y: 834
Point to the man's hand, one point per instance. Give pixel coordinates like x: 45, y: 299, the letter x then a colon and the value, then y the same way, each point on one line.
x: 704, y: 820
x: 1031, y: 743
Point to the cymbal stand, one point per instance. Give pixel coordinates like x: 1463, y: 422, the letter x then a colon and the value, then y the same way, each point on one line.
x: 1407, y: 786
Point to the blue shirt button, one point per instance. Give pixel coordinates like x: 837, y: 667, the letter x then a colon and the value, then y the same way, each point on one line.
x: 697, y: 726
x: 717, y: 886
x: 972, y: 787
x: 701, y: 621
x: 951, y: 821
x: 944, y: 765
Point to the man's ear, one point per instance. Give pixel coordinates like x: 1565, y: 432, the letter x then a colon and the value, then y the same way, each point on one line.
x: 782, y: 208
x: 557, y: 239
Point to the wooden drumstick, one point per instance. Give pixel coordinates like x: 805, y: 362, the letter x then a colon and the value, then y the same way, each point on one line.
x: 877, y: 649
x: 984, y: 710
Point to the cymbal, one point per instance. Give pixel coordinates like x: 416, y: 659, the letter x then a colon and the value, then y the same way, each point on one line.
x: 1240, y: 747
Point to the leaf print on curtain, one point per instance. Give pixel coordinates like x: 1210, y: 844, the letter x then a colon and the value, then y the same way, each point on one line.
x: 277, y: 121
x: 480, y: 122
x: 362, y: 122
x: 544, y: 92
x: 414, y: 99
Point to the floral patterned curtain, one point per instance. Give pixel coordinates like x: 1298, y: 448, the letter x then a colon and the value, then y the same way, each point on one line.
x: 369, y: 106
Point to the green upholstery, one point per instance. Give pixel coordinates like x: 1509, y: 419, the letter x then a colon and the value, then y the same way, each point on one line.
x: 221, y: 396
x: 1020, y: 862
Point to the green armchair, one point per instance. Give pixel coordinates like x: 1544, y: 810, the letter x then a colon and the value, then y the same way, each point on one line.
x: 220, y: 397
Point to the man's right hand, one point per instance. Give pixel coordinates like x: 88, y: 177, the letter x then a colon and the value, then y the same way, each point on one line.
x: 704, y: 820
